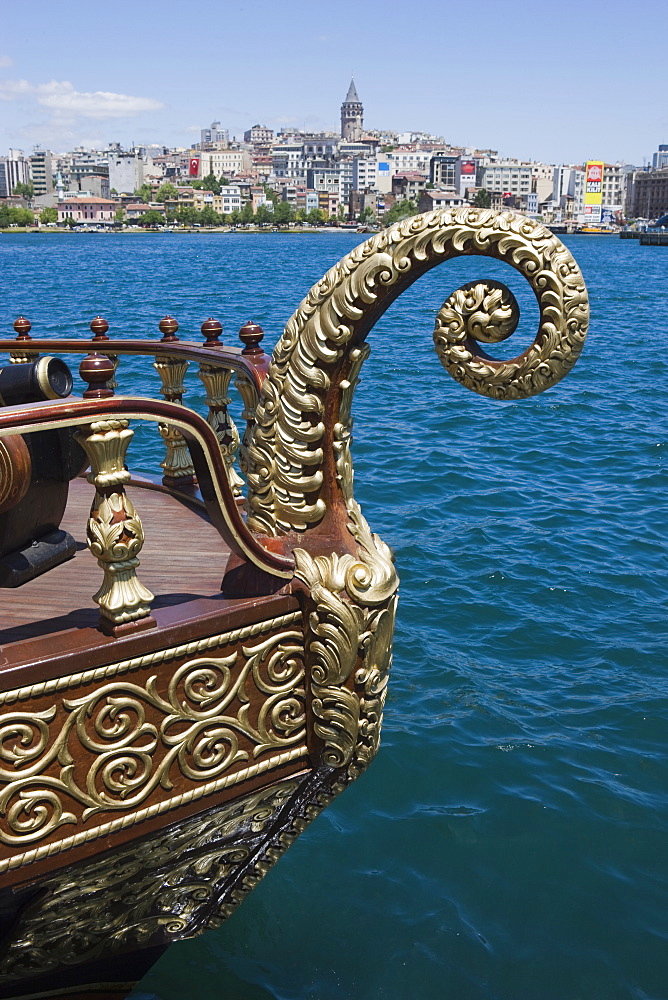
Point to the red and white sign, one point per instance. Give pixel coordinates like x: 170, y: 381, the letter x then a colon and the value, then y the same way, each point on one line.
x: 194, y: 166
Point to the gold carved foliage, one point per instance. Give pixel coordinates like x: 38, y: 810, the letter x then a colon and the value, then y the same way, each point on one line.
x: 169, y: 886
x: 70, y: 763
x: 287, y: 449
x: 351, y: 639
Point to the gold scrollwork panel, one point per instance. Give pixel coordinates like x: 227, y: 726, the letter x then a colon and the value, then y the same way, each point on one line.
x: 167, y: 886
x: 121, y: 749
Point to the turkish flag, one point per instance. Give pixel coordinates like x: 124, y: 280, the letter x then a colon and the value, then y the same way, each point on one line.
x: 194, y: 166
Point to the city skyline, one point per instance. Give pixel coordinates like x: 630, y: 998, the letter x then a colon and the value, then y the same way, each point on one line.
x: 160, y: 75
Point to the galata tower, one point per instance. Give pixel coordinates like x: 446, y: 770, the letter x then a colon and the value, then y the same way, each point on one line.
x: 352, y: 114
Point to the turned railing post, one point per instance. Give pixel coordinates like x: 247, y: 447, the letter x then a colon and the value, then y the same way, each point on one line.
x: 216, y: 382
x: 250, y: 336
x: 99, y: 327
x: 177, y: 464
x: 23, y: 356
x: 114, y: 532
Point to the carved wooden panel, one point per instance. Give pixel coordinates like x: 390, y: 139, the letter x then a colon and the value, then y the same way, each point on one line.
x: 88, y: 754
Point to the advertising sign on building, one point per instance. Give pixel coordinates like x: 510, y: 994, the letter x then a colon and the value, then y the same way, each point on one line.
x: 593, y: 194
x: 467, y: 169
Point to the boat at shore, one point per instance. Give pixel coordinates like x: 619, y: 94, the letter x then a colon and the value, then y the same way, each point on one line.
x: 177, y: 709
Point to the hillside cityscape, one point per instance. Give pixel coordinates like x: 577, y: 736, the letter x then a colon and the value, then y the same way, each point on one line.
x: 355, y: 176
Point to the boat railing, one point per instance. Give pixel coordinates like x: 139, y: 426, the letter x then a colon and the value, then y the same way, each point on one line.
x: 100, y: 424
x: 219, y: 367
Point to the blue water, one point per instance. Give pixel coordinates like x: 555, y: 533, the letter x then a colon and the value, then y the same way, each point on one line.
x: 510, y: 842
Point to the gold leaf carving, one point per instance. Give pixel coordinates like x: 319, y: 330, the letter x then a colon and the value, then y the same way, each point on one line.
x: 115, y: 748
x: 287, y: 448
x: 168, y: 886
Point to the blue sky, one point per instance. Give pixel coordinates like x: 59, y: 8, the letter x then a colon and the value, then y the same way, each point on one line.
x: 560, y: 82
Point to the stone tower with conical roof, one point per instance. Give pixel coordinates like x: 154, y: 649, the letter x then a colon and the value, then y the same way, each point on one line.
x: 352, y: 115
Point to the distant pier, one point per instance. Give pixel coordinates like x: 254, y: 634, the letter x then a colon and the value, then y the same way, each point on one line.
x: 646, y: 239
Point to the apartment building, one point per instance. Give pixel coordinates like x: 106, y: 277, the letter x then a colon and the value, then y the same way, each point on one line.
x: 224, y: 162
x: 506, y: 177
x: 14, y: 169
x: 41, y: 172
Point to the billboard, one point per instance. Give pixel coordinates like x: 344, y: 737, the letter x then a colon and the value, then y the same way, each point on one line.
x: 467, y: 167
x: 593, y: 192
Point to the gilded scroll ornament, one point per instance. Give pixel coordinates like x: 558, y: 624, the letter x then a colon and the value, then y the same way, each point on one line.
x: 354, y: 601
x: 114, y: 532
x: 166, y: 887
x: 286, y: 454
x: 113, y: 749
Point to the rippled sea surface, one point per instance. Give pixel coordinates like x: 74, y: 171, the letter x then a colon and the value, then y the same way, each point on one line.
x: 510, y: 842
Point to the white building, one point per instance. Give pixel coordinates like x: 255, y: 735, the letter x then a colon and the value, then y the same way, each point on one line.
x: 14, y: 169
x: 365, y: 173
x: 507, y: 176
x: 230, y: 195
x: 126, y: 172
x: 224, y: 162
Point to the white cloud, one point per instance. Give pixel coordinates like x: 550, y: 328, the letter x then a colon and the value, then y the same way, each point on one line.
x: 6, y: 62
x: 62, y: 99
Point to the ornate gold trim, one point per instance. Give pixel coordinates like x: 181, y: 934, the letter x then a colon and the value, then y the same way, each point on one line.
x: 114, y: 533
x: 286, y: 452
x: 168, y: 805
x: 351, y: 626
x: 130, y: 754
x: 216, y: 383
x: 152, y: 891
x: 149, y: 660
x: 177, y: 463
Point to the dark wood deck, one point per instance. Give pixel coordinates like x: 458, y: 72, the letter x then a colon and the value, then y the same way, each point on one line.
x: 183, y: 558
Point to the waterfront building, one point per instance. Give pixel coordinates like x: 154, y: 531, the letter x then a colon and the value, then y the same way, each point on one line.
x: 134, y: 210
x: 352, y: 115
x: 648, y: 196
x: 126, y: 171
x: 287, y: 161
x: 443, y: 170
x: 542, y: 180
x: 88, y: 209
x: 408, y: 185
x: 613, y: 190
x: 364, y: 173
x: 14, y: 169
x: 41, y: 171
x: 325, y: 179
x: 328, y: 203
x: 259, y: 135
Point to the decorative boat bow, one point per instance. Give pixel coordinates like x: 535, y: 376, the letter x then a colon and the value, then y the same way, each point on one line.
x: 155, y: 766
